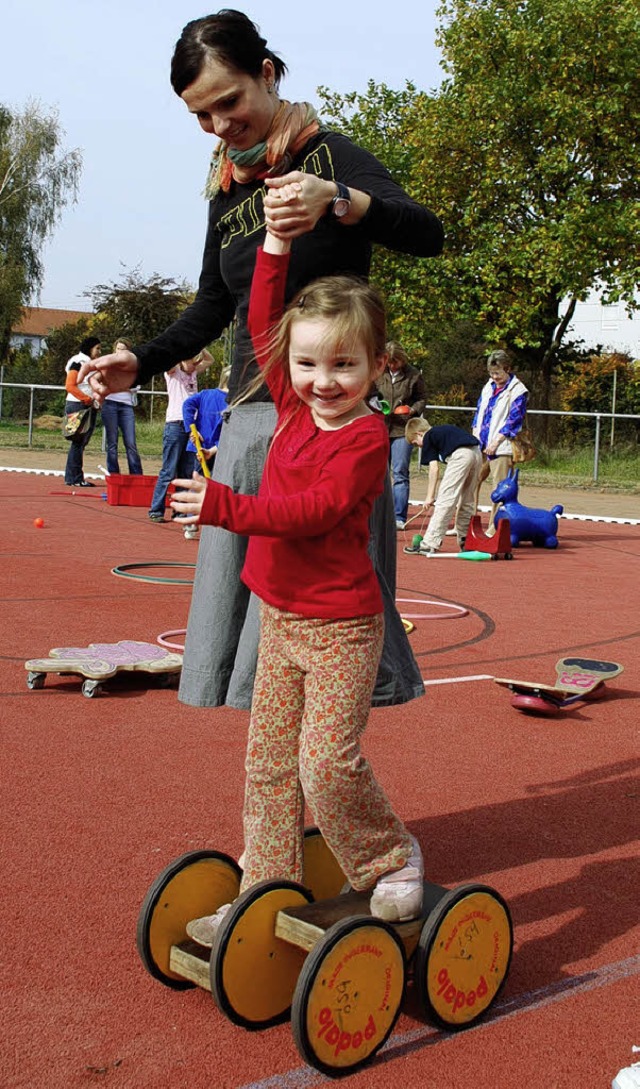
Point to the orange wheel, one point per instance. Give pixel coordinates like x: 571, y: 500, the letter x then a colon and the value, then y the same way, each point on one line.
x: 348, y: 996
x: 322, y: 872
x: 195, y: 884
x: 463, y: 955
x: 253, y: 973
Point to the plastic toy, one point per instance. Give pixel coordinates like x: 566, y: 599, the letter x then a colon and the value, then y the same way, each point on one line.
x: 315, y: 953
x: 577, y: 679
x: 527, y: 523
x: 499, y: 544
x: 100, y: 661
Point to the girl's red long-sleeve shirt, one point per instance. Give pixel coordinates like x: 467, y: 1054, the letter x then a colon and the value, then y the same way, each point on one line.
x: 309, y: 523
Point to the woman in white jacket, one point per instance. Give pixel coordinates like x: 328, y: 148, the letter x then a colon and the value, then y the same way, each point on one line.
x: 498, y: 418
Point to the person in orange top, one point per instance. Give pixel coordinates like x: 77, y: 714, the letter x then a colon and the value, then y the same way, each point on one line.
x: 79, y: 396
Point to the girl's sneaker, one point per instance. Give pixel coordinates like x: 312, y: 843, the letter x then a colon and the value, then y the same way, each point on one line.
x: 191, y: 533
x: 204, y: 930
x: 397, y: 897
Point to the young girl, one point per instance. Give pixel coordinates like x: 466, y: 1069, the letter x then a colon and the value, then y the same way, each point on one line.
x: 321, y: 607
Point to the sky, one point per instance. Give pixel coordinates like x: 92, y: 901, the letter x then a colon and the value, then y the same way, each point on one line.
x: 104, y: 66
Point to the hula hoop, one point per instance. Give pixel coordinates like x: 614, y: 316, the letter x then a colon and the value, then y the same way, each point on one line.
x: 124, y: 571
x: 163, y: 640
x: 457, y: 610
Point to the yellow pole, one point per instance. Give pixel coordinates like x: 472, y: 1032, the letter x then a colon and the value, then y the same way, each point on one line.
x: 199, y: 451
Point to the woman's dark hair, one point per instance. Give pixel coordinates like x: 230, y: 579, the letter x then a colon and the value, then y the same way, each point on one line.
x: 87, y: 344
x: 231, y: 38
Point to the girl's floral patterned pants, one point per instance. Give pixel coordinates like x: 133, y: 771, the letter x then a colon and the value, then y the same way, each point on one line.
x: 310, y: 708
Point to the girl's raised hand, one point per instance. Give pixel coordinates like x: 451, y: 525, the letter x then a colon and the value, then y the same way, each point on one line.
x: 188, y: 501
x: 295, y: 202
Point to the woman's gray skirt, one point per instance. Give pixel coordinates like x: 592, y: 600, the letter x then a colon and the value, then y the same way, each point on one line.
x: 221, y: 645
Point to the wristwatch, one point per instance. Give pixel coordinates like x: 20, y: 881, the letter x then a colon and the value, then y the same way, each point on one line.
x: 341, y: 203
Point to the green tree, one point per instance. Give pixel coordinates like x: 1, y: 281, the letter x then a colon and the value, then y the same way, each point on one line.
x: 599, y: 383
x: 37, y: 180
x: 135, y: 308
x: 529, y: 153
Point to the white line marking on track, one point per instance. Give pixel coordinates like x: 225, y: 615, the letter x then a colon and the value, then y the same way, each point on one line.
x: 459, y: 680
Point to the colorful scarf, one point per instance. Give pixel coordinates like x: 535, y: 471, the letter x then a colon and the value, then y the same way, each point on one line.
x: 293, y: 124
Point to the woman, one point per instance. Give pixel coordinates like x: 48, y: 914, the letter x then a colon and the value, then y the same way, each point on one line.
x: 346, y: 200
x: 80, y: 395
x: 118, y: 415
x: 499, y: 416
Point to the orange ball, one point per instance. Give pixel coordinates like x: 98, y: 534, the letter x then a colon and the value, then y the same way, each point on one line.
x: 38, y: 523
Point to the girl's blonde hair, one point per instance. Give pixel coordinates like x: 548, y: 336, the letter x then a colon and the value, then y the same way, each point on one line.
x: 122, y: 340
x: 354, y: 309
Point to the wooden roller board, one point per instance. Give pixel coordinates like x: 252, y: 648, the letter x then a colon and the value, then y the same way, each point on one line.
x: 577, y: 679
x: 100, y: 661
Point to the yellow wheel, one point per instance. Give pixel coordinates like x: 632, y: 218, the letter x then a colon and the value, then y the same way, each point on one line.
x: 348, y: 996
x: 463, y: 955
x: 253, y: 973
x: 195, y: 884
x: 322, y: 873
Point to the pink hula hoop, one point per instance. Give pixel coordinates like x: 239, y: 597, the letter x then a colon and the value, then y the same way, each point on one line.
x: 456, y: 610
x: 163, y: 640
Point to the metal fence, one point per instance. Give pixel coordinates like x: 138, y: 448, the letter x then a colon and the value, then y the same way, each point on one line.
x: 600, y: 434
x: 538, y: 420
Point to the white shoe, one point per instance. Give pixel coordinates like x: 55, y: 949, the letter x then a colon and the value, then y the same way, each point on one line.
x: 397, y: 896
x: 204, y: 930
x: 400, y: 524
x: 191, y: 533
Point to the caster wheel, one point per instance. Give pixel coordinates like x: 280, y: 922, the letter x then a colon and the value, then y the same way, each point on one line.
x: 91, y: 689
x: 463, y: 955
x: 598, y: 693
x: 535, y: 705
x: 322, y: 873
x: 195, y: 884
x: 508, y: 555
x: 348, y: 996
x: 165, y: 680
x: 254, y: 973
x: 35, y: 680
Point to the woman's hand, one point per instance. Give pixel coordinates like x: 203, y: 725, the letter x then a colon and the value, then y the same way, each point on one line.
x: 113, y: 373
x: 188, y: 502
x: 304, y: 201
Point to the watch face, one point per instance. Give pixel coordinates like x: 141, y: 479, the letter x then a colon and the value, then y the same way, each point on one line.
x: 341, y: 207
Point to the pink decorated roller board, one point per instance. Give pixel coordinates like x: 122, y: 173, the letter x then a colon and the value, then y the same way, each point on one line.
x: 577, y: 679
x: 100, y: 661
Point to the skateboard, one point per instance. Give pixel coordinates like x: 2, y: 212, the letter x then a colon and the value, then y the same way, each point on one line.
x: 314, y: 954
x: 100, y: 661
x: 577, y: 679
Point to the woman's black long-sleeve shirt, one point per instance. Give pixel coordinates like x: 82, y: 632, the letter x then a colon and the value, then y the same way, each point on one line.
x: 236, y: 228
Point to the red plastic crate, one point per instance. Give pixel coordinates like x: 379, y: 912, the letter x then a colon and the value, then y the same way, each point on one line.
x: 131, y: 491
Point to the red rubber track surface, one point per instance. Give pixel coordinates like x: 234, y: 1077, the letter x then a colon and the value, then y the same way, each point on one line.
x: 98, y: 795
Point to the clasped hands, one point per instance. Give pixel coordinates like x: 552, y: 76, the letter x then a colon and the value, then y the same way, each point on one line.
x: 295, y: 202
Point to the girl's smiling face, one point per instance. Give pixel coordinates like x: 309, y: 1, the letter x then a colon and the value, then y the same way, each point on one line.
x: 332, y: 383
x: 233, y: 105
